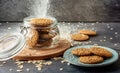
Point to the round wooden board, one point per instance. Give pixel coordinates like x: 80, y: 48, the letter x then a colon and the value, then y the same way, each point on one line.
x: 39, y: 54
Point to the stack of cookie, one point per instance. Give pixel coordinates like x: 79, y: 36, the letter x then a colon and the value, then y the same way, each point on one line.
x: 91, y: 55
x: 83, y: 35
x: 41, y: 32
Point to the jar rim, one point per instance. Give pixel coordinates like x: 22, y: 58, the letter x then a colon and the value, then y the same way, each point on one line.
x: 28, y: 19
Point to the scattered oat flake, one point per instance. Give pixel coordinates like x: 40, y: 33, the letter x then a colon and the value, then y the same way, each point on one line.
x: 111, y: 38
x: 115, y: 44
x: 19, y: 70
x: 20, y: 66
x: 39, y: 68
x: 63, y: 61
x: 108, y: 26
x: 10, y: 69
x: 68, y: 64
x: 90, y: 41
x: 57, y: 58
x: 4, y: 62
x: 27, y: 69
x: 9, y: 27
x: 104, y: 40
x: 48, y: 63
x: 97, y: 22
x: 111, y: 28
x: 92, y: 24
x: 116, y: 32
x: 104, y: 36
x: 101, y: 40
x: 29, y: 61
x: 68, y: 23
x: 61, y: 69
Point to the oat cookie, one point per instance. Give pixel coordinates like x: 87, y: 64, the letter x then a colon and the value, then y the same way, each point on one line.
x: 79, y: 37
x: 91, y: 59
x: 44, y: 31
x: 87, y: 32
x: 32, y: 38
x: 46, y: 36
x: 41, y: 22
x: 101, y: 52
x: 81, y: 52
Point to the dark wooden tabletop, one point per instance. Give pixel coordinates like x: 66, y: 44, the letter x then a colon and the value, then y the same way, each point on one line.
x: 108, y: 35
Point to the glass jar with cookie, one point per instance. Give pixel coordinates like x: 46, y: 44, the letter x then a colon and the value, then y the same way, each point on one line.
x: 42, y: 32
x: 36, y: 33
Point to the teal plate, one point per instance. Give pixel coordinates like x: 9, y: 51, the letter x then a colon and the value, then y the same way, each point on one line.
x: 74, y: 59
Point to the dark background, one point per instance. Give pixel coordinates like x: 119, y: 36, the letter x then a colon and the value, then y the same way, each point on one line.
x: 64, y: 10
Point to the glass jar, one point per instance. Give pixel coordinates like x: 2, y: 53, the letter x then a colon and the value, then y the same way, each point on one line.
x: 42, y: 32
x: 31, y: 36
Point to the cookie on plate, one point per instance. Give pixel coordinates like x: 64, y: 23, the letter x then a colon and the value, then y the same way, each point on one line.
x: 87, y: 32
x: 41, y: 22
x: 81, y: 52
x: 32, y: 38
x: 91, y: 59
x: 101, y: 52
x: 79, y: 37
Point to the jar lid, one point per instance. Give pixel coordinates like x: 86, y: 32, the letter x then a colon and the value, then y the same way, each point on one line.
x: 11, y: 45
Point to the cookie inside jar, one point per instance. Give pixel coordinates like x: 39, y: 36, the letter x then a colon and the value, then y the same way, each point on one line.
x: 48, y: 33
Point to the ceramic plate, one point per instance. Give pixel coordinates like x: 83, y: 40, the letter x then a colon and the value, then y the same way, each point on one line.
x: 74, y: 59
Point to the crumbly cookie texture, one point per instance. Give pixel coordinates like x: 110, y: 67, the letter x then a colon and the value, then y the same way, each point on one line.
x: 87, y: 32
x: 79, y: 37
x: 32, y: 38
x: 81, y: 52
x: 91, y: 59
x: 41, y: 22
x: 101, y: 52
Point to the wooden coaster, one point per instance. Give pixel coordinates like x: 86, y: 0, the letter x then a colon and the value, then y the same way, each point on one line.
x: 39, y: 54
